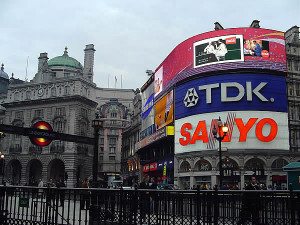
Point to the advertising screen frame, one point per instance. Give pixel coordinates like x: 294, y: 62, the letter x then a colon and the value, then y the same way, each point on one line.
x: 215, y: 50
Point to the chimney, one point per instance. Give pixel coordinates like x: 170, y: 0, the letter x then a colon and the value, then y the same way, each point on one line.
x: 218, y: 26
x: 255, y: 24
x: 88, y: 70
x: 43, y: 61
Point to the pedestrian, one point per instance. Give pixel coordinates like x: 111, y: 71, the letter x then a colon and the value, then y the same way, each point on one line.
x: 85, y: 195
x: 61, y: 184
x: 144, y: 197
x: 250, y: 203
x: 40, y: 191
x: 153, y: 195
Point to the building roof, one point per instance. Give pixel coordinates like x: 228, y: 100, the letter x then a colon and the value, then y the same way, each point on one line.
x: 65, y: 60
x: 2, y: 73
x: 292, y: 166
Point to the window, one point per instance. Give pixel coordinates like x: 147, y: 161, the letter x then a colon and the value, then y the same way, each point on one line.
x: 59, y: 125
x: 85, y: 91
x: 101, y: 157
x: 113, y: 115
x: 60, y: 111
x: 101, y: 141
x: 112, y: 141
x: 28, y: 95
x: 112, y: 158
x: 83, y: 112
x: 66, y: 74
x: 54, y: 74
x: 279, y: 163
x: 295, y: 65
x: 38, y: 113
x: 83, y: 128
x: 298, y: 89
x: 67, y: 90
x: 17, y: 96
x: 112, y: 150
x: 113, y: 132
x: 101, y: 149
x: 53, y: 92
x: 19, y: 115
x: 290, y: 89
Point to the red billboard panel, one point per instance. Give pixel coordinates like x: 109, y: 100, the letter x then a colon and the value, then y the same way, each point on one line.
x: 260, y: 48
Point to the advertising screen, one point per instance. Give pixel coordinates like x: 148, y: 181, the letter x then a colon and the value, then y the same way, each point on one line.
x: 158, y: 81
x: 246, y: 48
x: 147, y: 111
x: 218, y: 50
x: 231, y: 92
x: 258, y: 130
x: 164, y: 111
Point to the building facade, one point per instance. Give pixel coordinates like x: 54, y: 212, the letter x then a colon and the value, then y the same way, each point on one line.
x: 63, y: 94
x: 241, y: 76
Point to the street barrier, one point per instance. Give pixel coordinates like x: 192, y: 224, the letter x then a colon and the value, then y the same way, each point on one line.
x: 77, y: 206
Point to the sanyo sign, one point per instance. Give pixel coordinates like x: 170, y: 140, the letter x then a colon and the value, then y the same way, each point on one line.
x: 234, y: 92
x: 247, y: 130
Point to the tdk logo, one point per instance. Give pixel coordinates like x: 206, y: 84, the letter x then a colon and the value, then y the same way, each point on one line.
x: 191, y: 98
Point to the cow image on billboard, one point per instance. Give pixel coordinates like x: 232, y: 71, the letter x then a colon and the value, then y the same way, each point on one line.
x: 164, y: 111
x: 218, y: 50
x: 158, y: 81
x: 259, y: 130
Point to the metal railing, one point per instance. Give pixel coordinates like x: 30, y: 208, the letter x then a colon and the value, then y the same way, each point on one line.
x: 33, y: 205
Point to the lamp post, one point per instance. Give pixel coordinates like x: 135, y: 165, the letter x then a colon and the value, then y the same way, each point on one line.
x: 220, y: 138
x: 2, y: 166
x: 96, y: 124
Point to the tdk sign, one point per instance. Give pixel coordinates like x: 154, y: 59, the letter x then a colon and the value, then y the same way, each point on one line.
x: 234, y: 92
x: 191, y: 97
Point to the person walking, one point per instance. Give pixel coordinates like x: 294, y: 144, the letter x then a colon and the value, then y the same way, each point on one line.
x: 85, y: 195
x: 40, y: 191
x: 250, y: 203
x: 145, y: 197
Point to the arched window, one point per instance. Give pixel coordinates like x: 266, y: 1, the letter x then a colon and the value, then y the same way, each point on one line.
x: 185, y: 167
x: 228, y: 163
x: 253, y: 164
x: 202, y: 165
x: 278, y: 164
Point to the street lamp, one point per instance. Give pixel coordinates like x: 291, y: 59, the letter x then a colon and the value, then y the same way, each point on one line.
x: 96, y: 124
x: 220, y: 138
x: 2, y: 166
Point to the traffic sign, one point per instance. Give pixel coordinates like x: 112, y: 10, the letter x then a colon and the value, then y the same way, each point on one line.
x: 41, y: 141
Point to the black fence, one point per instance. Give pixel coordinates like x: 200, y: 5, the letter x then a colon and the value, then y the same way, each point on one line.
x: 33, y: 205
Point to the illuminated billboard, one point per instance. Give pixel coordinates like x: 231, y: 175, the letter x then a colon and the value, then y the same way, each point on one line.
x: 158, y: 81
x: 147, y: 114
x: 231, y: 92
x: 164, y: 111
x: 246, y: 48
x: 218, y: 50
x: 258, y: 130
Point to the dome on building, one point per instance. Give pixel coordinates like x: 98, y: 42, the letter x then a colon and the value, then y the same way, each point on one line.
x: 2, y: 73
x: 65, y: 60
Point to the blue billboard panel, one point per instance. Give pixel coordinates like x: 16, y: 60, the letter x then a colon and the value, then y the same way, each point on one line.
x: 231, y: 92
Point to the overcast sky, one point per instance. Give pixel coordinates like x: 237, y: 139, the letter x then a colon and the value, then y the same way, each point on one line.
x: 130, y: 36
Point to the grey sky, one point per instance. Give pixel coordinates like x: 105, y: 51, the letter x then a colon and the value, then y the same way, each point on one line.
x: 130, y: 36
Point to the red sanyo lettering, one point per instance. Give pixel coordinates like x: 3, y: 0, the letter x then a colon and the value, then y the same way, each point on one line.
x: 243, y: 129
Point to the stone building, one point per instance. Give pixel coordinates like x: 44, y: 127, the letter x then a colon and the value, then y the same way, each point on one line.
x: 63, y: 94
x: 130, y: 164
